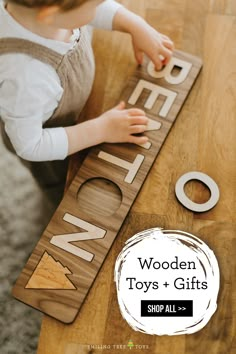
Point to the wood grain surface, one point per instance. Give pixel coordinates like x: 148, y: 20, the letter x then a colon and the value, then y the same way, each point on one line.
x: 59, y: 273
x: 203, y: 139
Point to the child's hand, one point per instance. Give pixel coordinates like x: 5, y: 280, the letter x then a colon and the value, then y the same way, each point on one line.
x: 145, y: 39
x: 115, y: 126
x: 119, y: 124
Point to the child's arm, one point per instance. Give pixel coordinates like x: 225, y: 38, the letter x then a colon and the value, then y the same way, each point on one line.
x: 114, y: 126
x: 145, y: 39
x: 118, y: 124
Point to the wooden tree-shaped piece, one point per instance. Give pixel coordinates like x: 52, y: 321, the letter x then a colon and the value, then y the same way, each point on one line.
x: 50, y: 274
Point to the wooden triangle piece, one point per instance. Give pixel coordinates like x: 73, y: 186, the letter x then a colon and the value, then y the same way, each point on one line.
x: 153, y: 125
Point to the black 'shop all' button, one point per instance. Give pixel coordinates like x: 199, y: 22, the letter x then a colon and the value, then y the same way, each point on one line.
x: 166, y: 308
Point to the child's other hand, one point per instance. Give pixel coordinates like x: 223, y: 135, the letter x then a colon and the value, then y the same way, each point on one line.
x: 146, y: 40
x: 119, y: 124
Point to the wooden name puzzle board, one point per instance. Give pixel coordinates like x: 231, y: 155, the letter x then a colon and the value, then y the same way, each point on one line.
x: 68, y: 256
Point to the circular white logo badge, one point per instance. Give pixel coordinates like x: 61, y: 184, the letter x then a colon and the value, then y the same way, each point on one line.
x: 167, y: 282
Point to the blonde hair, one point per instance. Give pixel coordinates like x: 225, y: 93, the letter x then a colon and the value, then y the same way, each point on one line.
x: 64, y: 4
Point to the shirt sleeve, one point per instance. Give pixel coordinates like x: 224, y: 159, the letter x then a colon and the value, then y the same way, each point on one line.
x: 29, y: 94
x: 104, y: 14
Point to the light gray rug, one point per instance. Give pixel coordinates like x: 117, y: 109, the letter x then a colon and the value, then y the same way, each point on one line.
x: 24, y: 213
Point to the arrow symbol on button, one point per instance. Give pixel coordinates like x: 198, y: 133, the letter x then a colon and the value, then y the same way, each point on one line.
x: 182, y: 308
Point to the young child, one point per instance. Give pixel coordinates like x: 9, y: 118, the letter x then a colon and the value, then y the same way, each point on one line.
x: 46, y: 75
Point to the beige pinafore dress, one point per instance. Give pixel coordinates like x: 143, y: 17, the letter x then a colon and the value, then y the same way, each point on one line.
x: 76, y: 72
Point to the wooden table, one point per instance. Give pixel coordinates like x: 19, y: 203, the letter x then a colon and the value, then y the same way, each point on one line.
x: 204, y: 139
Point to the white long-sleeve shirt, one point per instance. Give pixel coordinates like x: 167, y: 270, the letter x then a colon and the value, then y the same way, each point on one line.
x: 30, y: 90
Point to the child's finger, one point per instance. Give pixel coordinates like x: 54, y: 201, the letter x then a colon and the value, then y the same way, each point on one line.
x: 143, y: 120
x: 137, y: 129
x: 135, y: 112
x: 138, y: 139
x: 157, y: 62
x: 166, y: 53
x: 166, y: 37
x: 138, y: 56
x: 120, y: 106
x: 168, y: 44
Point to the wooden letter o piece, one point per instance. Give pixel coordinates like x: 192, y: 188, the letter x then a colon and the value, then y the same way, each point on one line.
x: 189, y: 204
